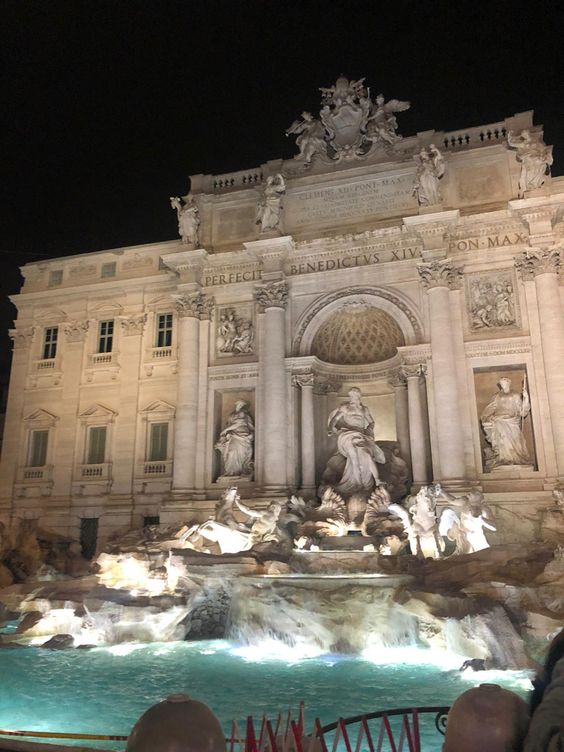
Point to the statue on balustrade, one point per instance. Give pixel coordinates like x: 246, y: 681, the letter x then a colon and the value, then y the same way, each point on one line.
x: 188, y: 218
x: 269, y: 209
x: 535, y: 158
x: 430, y: 169
x: 502, y: 422
x: 310, y: 137
x: 236, y: 442
x: 353, y: 426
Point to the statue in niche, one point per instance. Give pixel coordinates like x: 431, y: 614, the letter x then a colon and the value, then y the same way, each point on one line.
x: 236, y: 442
x: 430, y: 169
x: 310, y: 137
x: 502, y: 421
x: 235, y: 335
x: 465, y: 524
x: 353, y: 425
x: 535, y: 158
x: 269, y: 207
x: 492, y: 302
x: 188, y: 218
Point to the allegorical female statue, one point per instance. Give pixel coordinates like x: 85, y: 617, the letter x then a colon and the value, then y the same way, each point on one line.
x: 236, y: 442
x: 353, y: 425
x: 188, y: 218
x: 502, y: 421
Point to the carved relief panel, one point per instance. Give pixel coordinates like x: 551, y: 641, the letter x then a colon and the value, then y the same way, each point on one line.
x: 234, y: 331
x: 491, y: 302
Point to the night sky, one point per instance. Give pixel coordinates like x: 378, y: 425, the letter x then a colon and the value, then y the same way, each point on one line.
x: 109, y: 106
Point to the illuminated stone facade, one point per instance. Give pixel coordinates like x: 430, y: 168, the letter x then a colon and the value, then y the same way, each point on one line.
x: 128, y: 363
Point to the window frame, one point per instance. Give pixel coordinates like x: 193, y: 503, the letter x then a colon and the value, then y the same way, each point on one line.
x: 50, y: 343
x: 106, y: 334
x: 165, y: 331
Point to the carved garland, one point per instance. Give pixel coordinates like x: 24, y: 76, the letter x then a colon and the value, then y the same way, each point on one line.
x: 378, y: 293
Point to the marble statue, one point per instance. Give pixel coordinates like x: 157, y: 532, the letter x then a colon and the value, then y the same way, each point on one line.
x: 310, y: 520
x: 535, y: 158
x: 430, y: 169
x: 502, y: 422
x: 382, y: 124
x: 188, y: 218
x: 420, y: 524
x: 269, y: 207
x: 353, y: 425
x: 310, y: 137
x: 465, y: 519
x: 350, y: 124
x: 233, y: 536
x: 558, y: 496
x: 236, y: 442
x: 235, y: 335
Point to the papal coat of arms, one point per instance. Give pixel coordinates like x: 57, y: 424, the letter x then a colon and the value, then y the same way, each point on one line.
x: 350, y: 123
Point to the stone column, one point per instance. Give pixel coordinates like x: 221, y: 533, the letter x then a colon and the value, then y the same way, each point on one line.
x: 307, y: 434
x: 399, y: 385
x: 438, y: 277
x: 273, y: 299
x: 418, y: 425
x: 190, y: 307
x: 543, y: 265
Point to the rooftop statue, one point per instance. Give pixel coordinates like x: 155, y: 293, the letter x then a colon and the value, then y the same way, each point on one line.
x: 269, y: 209
x: 430, y: 169
x: 188, y: 218
x: 350, y: 124
x: 535, y: 158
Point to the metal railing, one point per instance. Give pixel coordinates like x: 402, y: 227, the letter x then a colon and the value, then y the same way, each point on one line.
x: 357, y: 733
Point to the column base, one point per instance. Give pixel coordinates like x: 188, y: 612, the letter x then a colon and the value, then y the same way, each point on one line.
x: 458, y: 484
x: 308, y: 491
x: 273, y: 491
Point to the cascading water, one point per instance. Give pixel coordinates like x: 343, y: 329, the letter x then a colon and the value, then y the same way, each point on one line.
x: 320, y: 614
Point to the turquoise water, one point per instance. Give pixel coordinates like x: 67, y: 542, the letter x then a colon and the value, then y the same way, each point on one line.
x: 105, y: 690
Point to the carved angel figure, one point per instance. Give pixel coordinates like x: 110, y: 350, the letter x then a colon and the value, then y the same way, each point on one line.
x: 188, y: 218
x: 310, y: 137
x: 535, y: 157
x: 430, y: 169
x: 269, y: 207
x: 382, y: 124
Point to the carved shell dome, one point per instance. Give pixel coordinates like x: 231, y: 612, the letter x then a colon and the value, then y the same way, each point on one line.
x: 357, y: 334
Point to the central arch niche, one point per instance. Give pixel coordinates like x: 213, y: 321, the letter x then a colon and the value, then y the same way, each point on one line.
x: 357, y: 334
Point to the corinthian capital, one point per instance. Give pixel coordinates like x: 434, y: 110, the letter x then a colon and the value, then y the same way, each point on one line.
x: 413, y: 371
x: 538, y: 261
x: 75, y: 331
x: 196, y: 304
x: 22, y: 338
x: 272, y: 295
x: 441, y: 273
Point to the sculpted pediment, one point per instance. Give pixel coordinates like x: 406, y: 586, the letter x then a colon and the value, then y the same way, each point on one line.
x: 98, y: 411
x: 41, y: 417
x: 50, y: 316
x: 107, y: 307
x: 159, y: 407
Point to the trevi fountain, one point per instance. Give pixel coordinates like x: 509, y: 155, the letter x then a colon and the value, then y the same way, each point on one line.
x: 326, y: 461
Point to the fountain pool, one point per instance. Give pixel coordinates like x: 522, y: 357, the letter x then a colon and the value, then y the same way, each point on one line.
x: 105, y: 690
